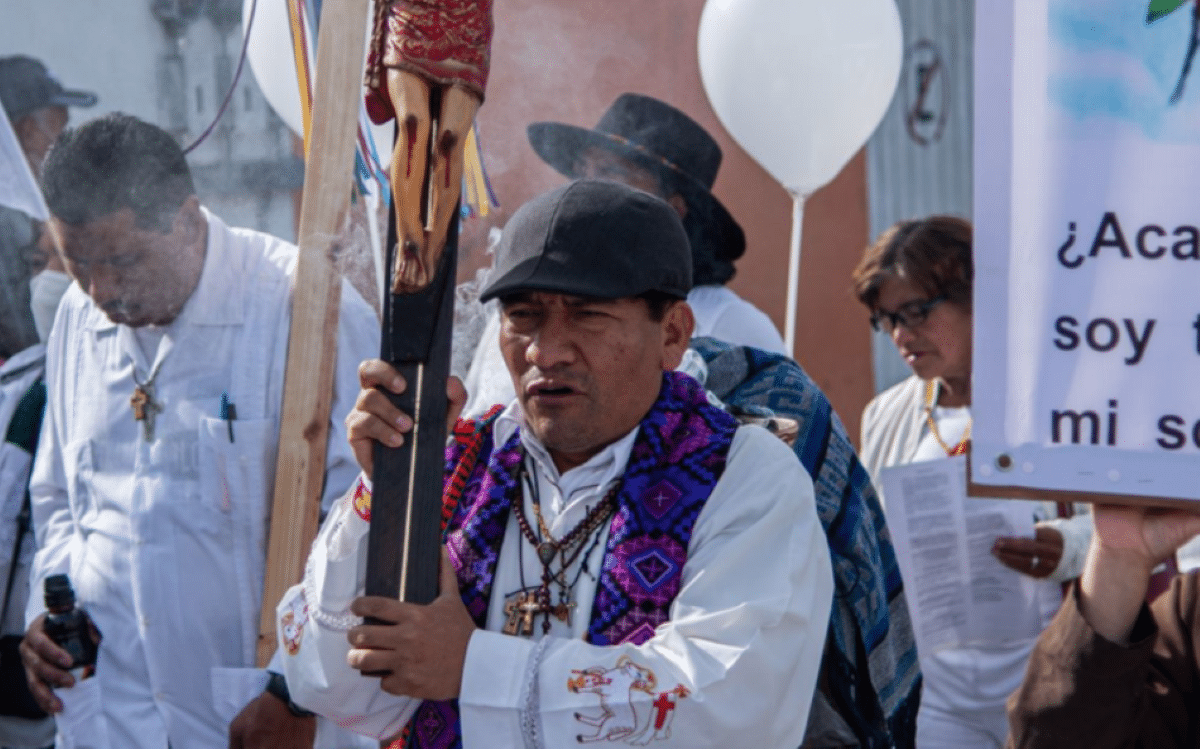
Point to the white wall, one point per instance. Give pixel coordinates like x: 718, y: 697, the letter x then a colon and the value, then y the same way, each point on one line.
x: 115, y: 49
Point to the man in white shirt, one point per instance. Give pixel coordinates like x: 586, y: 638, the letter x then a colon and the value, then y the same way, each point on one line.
x: 152, y: 483
x: 629, y: 564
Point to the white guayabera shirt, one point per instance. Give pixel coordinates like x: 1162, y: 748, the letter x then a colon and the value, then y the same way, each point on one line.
x: 736, y: 664
x: 164, y: 539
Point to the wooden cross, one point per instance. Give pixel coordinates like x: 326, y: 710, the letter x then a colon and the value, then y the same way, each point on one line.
x: 145, y: 408
x: 520, y: 608
x: 562, y: 612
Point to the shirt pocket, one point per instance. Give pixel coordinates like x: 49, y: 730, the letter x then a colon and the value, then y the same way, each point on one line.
x: 235, y: 478
x: 234, y: 458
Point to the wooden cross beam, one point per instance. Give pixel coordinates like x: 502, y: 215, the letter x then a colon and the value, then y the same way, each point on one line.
x: 312, y: 343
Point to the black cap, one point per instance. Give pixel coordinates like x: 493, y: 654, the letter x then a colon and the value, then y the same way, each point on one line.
x: 27, y: 86
x: 594, y: 238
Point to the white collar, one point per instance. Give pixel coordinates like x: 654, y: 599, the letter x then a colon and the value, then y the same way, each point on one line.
x: 600, y: 470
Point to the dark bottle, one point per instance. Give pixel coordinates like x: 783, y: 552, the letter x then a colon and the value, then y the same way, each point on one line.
x: 69, y: 626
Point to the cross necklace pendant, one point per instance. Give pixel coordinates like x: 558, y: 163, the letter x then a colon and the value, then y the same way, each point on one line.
x: 143, y: 404
x: 522, y: 607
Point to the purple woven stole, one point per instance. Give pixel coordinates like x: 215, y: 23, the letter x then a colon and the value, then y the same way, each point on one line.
x: 676, y: 460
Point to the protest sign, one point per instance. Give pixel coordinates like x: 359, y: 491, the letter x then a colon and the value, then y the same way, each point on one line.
x: 1087, y: 311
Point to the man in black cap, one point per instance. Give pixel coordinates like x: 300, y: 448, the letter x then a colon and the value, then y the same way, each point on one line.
x: 36, y: 105
x: 648, y: 144
x: 625, y: 562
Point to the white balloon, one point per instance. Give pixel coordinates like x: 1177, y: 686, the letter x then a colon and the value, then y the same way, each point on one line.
x: 800, y: 84
x: 274, y: 64
x: 270, y: 56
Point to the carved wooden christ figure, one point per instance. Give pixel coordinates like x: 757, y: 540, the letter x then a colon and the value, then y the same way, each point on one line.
x: 428, y: 68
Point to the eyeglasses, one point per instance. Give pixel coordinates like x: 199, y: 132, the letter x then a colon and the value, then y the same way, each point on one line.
x: 909, y: 315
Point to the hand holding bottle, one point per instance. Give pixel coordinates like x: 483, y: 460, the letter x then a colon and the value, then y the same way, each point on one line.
x: 60, y: 646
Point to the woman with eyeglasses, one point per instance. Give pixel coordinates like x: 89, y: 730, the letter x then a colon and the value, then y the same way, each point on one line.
x: 916, y: 281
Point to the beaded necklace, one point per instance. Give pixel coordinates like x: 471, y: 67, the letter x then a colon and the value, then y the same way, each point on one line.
x: 525, y: 604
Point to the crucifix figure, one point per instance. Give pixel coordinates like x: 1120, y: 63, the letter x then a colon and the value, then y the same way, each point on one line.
x: 145, y: 408
x: 427, y: 68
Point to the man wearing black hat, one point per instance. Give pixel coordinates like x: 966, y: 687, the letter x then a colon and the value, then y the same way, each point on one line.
x: 36, y: 105
x: 648, y: 144
x: 624, y: 561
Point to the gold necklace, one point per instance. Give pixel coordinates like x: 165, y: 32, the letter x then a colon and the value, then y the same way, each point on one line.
x: 964, y: 443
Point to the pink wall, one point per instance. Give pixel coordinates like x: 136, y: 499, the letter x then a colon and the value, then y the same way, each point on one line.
x: 566, y: 60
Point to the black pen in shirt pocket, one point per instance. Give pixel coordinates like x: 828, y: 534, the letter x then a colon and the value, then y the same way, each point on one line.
x: 228, y: 413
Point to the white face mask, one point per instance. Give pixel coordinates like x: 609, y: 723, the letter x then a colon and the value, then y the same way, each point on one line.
x: 46, y: 289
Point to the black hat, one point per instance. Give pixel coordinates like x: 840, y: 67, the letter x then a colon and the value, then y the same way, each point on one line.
x: 594, y: 238
x: 26, y: 86
x: 658, y: 137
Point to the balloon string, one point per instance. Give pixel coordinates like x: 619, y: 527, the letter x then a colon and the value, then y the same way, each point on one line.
x: 233, y: 84
x: 794, y: 272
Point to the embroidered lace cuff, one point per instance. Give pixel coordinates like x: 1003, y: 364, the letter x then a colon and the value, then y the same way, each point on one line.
x: 338, y: 621
x: 531, y: 716
x: 495, y: 684
x: 334, y: 558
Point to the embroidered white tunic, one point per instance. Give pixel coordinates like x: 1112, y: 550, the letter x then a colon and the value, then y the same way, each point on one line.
x: 736, y: 664
x: 164, y: 540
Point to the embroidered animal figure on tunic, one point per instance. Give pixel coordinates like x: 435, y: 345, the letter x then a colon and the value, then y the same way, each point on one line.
x: 624, y: 715
x: 618, y: 717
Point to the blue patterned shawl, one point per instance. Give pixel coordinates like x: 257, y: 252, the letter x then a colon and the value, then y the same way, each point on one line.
x: 869, y: 675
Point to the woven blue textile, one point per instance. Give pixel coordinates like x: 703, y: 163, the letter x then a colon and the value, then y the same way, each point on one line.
x: 870, y: 674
